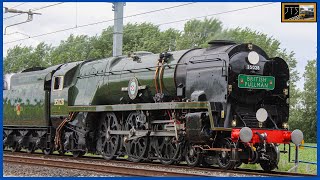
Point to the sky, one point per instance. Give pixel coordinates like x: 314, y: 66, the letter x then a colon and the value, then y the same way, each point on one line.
x: 301, y: 38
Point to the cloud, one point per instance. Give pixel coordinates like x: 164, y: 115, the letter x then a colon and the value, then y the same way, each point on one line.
x: 297, y: 37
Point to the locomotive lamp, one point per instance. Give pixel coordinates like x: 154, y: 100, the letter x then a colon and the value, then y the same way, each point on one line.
x: 229, y: 88
x: 234, y: 123
x: 246, y: 134
x: 253, y: 57
x: 285, y: 125
x: 262, y: 115
x: 222, y: 114
x: 297, y: 137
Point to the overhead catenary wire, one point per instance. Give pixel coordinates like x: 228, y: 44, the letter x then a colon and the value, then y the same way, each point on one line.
x: 99, y: 22
x: 95, y: 23
x: 128, y: 30
x: 18, y: 5
x: 76, y: 26
x: 35, y: 9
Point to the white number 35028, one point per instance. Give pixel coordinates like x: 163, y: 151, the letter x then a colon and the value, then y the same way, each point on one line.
x: 252, y: 67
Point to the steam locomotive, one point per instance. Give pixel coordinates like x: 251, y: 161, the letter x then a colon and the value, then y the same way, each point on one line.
x: 223, y: 105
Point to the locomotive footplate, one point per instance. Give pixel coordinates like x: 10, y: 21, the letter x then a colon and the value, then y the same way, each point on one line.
x: 216, y: 149
x: 142, y: 133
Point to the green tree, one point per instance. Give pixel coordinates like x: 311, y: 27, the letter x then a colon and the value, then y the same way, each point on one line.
x: 141, y: 37
x: 245, y: 35
x: 104, y: 42
x: 16, y: 58
x: 169, y: 39
x: 40, y: 56
x: 75, y: 48
x: 309, y: 100
x: 20, y: 58
x: 197, y: 33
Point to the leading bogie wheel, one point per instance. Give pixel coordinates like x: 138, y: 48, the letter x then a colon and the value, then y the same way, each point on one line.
x: 193, y: 155
x: 272, y: 163
x: 224, y: 157
x: 238, y: 164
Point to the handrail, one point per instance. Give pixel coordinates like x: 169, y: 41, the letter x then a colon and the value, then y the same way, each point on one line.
x: 296, y: 160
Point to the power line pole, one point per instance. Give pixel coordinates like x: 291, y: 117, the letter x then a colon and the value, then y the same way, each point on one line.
x: 118, y: 28
x: 30, y: 17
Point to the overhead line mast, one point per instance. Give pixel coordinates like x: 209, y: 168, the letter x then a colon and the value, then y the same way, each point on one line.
x: 117, y: 7
x: 30, y: 17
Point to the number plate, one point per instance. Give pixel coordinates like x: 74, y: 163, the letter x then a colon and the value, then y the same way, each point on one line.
x: 256, y: 82
x: 252, y: 67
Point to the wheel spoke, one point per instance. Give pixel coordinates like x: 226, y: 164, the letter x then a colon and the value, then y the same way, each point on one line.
x: 166, y: 149
x: 224, y: 160
x: 136, y: 148
x: 110, y: 143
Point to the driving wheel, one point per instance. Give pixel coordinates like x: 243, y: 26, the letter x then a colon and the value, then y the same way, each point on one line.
x: 168, y: 149
x: 108, y: 144
x: 136, y: 147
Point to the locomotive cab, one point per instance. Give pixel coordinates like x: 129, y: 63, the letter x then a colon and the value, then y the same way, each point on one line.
x: 61, y: 82
x: 7, y: 81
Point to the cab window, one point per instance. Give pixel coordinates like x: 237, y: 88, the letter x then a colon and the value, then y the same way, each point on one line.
x: 58, y: 83
x: 5, y: 85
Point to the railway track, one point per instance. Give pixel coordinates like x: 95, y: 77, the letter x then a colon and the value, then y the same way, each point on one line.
x: 117, y: 168
x: 109, y: 169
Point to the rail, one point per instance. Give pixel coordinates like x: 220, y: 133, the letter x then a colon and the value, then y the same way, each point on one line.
x: 89, y: 166
x: 120, y: 162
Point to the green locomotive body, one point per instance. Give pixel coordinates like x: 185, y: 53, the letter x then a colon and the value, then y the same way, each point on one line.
x: 196, y: 102
x: 25, y: 101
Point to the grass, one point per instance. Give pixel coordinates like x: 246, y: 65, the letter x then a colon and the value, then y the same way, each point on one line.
x: 305, y: 154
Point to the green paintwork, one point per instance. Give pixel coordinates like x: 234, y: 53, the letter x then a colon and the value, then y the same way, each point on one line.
x: 27, y: 92
x: 68, y: 71
x: 100, y: 81
x: 256, y: 82
x: 144, y: 106
x: 92, y: 86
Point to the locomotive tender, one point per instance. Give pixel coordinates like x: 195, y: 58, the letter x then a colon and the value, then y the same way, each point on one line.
x: 226, y: 104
